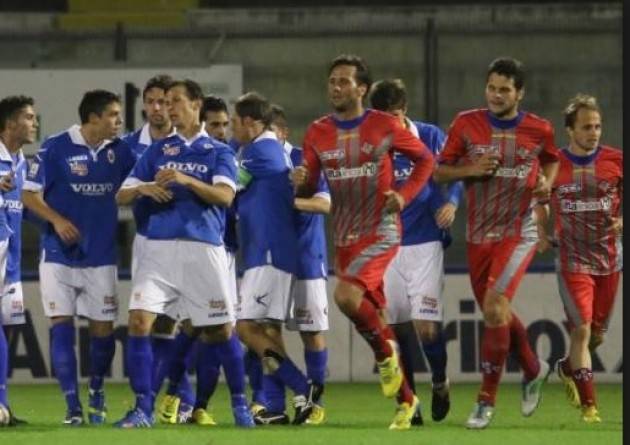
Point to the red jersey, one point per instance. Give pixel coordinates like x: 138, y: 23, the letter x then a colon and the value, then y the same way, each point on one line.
x: 585, y: 198
x: 499, y: 206
x: 357, y: 159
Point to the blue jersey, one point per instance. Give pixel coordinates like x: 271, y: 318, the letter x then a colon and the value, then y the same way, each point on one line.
x: 418, y: 217
x: 186, y: 216
x: 139, y: 141
x: 80, y: 184
x: 12, y: 209
x: 312, y: 256
x: 265, y: 205
x: 231, y: 214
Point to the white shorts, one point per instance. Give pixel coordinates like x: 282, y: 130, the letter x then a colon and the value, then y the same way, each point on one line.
x: 308, y: 306
x: 12, y: 309
x: 188, y: 278
x: 4, y: 256
x: 137, y: 248
x: 414, y: 282
x: 264, y: 294
x: 231, y: 257
x: 86, y: 291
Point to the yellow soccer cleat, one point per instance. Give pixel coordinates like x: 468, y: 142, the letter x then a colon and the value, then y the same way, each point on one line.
x: 203, y: 418
x: 256, y: 408
x: 570, y: 388
x: 317, y: 416
x: 590, y: 414
x: 404, y: 414
x: 167, y: 409
x: 390, y: 373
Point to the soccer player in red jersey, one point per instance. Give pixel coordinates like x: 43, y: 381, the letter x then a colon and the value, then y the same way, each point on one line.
x: 354, y: 148
x: 506, y: 158
x: 586, y: 202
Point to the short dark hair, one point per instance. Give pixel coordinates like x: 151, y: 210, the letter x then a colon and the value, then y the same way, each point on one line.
x: 95, y: 101
x: 362, y: 74
x: 576, y: 103
x: 510, y: 68
x: 213, y: 103
x: 278, y: 116
x: 388, y: 95
x: 193, y: 89
x: 255, y: 106
x: 10, y: 106
x: 161, y: 81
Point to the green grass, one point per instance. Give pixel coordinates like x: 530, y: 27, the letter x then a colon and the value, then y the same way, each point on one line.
x: 357, y: 414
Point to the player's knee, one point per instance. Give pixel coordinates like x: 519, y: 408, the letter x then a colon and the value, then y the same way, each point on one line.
x: 101, y: 328
x: 216, y: 334
x: 271, y: 361
x: 313, y: 341
x: 496, y: 310
x: 139, y: 323
x: 581, y: 334
x: 427, y: 331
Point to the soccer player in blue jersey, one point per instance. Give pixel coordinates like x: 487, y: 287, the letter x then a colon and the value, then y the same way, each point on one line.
x: 157, y: 127
x: 18, y: 126
x: 269, y: 246
x: 190, y: 178
x: 71, y: 185
x: 415, y: 278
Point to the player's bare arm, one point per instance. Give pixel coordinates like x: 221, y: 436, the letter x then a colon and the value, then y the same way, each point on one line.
x: 546, y: 180
x: 445, y: 215
x: 315, y: 204
x: 67, y: 231
x: 484, y: 165
x: 127, y: 195
x: 217, y: 194
x: 6, y: 183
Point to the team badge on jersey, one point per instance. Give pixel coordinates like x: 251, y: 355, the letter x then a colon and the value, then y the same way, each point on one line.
x: 170, y: 150
x: 33, y: 169
x: 78, y: 168
x: 367, y: 148
x: 111, y: 156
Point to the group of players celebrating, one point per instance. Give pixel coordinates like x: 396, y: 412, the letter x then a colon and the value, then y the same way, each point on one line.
x: 198, y: 197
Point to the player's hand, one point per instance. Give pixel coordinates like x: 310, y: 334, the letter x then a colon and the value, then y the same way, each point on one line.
x: 445, y: 215
x: 484, y: 165
x: 299, y: 176
x: 170, y: 176
x: 6, y: 182
x: 155, y: 192
x: 542, y: 191
x: 617, y: 225
x: 394, y: 202
x: 68, y: 233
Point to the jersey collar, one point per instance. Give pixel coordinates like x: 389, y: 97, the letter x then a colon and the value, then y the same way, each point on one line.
x: 78, y: 139
x: 411, y: 126
x: 581, y: 160
x: 201, y: 134
x: 145, y: 135
x: 267, y: 134
x: 505, y: 124
x: 352, y: 123
x: 5, y: 155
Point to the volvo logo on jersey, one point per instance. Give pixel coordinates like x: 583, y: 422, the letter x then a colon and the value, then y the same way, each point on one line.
x: 93, y: 189
x: 187, y: 167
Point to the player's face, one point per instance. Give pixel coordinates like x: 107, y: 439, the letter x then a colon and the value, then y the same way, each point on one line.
x: 587, y: 130
x: 182, y: 110
x: 24, y: 126
x: 217, y: 124
x: 239, y: 130
x: 110, y: 121
x: 502, y: 96
x: 344, y: 93
x: 154, y: 105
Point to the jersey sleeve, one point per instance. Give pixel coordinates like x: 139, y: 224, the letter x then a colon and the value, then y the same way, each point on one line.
x: 225, y: 168
x: 549, y: 152
x: 310, y: 160
x: 38, y: 170
x: 454, y: 147
x: 261, y: 159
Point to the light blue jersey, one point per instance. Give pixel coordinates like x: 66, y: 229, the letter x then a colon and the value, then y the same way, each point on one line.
x: 80, y: 183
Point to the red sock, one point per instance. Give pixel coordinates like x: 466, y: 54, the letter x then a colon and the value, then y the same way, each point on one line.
x: 368, y: 323
x: 583, y: 379
x: 495, y: 346
x: 519, y: 343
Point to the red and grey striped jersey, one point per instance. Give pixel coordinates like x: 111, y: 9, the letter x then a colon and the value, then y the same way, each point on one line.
x: 586, y: 197
x: 356, y: 157
x: 499, y: 206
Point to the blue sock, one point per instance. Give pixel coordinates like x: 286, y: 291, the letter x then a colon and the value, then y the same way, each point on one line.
x: 4, y: 366
x: 64, y: 362
x: 102, y: 351
x: 177, y: 367
x: 231, y: 358
x: 162, y: 348
x: 139, y: 368
x: 435, y: 353
x: 316, y: 362
x: 184, y: 390
x: 292, y: 377
x: 253, y: 369
x: 274, y: 393
x: 208, y: 366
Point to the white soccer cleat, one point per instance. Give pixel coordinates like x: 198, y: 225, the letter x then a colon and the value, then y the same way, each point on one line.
x: 532, y: 390
x: 480, y: 416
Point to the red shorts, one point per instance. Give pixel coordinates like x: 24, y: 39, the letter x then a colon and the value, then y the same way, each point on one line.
x: 588, y: 298
x: 364, y: 264
x: 499, y: 265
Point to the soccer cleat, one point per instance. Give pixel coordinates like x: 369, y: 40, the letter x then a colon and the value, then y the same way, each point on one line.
x: 317, y: 417
x: 480, y: 416
x: 440, y: 401
x: 570, y: 389
x: 390, y: 373
x: 184, y: 413
x: 404, y: 414
x: 531, y: 390
x: 590, y: 414
x: 417, y: 420
x: 202, y: 417
x: 304, y: 404
x: 256, y: 408
x: 74, y: 418
x: 136, y: 418
x: 168, y: 408
x: 265, y: 417
x: 243, y: 417
x: 97, y: 411
x: 15, y: 421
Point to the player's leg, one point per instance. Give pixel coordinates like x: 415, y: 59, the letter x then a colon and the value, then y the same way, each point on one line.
x: 316, y: 360
x: 253, y: 369
x: 273, y: 386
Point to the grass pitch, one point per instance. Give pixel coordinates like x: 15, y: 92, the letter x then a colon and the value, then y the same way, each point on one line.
x: 356, y: 414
